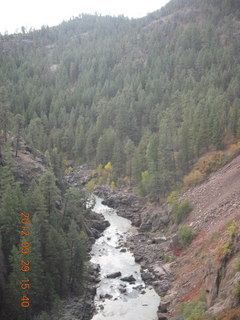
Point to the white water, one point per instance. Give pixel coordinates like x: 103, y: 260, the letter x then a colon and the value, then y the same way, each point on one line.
x: 132, y: 305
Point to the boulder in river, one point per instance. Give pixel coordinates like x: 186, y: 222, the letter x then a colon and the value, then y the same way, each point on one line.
x: 105, y: 296
x: 163, y: 307
x: 129, y: 279
x: 146, y: 276
x: 123, y: 290
x: 114, y: 275
x: 138, y: 257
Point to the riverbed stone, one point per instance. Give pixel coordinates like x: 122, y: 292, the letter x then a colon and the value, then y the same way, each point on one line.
x: 129, y: 279
x: 122, y: 290
x: 146, y: 276
x: 163, y: 306
x: 114, y: 275
x: 159, y: 240
x: 138, y: 257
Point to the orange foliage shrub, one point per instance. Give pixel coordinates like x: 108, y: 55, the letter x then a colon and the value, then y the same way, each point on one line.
x: 193, y: 178
x: 233, y: 151
x: 205, y: 165
x: 233, y: 314
x: 210, y: 162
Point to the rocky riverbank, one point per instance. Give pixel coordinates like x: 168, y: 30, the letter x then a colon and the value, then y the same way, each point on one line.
x: 151, y: 248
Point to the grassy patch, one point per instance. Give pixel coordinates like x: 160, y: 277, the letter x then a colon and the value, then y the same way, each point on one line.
x: 193, y: 310
x: 225, y: 249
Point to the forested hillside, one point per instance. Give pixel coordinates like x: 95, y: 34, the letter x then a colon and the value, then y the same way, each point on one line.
x: 149, y: 95
x: 44, y: 233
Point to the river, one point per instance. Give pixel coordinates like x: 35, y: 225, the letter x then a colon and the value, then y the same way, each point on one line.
x: 125, y: 301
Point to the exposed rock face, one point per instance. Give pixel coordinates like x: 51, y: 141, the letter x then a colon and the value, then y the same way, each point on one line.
x: 30, y: 166
x: 220, y: 282
x: 155, y: 220
x: 212, y: 280
x: 80, y: 176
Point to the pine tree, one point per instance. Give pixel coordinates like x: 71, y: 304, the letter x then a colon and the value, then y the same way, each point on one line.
x: 36, y: 205
x: 18, y: 126
x: 12, y: 206
x: 118, y: 159
x: 14, y: 290
x: 129, y: 152
x: 77, y: 254
x: 7, y: 171
x: 50, y: 191
x: 36, y: 273
x: 153, y: 170
x: 3, y: 273
x: 5, y: 115
x: 56, y: 264
x: 36, y: 134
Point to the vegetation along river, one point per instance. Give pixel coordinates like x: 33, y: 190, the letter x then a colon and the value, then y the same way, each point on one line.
x: 117, y: 299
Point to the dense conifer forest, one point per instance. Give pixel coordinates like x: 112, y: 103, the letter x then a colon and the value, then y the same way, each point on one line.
x: 142, y: 99
x: 42, y: 248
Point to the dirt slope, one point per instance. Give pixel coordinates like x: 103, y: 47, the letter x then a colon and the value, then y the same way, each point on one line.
x: 202, y: 268
x: 217, y: 199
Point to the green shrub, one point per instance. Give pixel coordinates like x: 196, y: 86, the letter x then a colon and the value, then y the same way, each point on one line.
x: 168, y: 258
x: 185, y: 235
x: 238, y: 265
x: 192, y: 310
x: 181, y: 210
x: 90, y: 185
x: 43, y: 316
x: 225, y: 250
x: 172, y: 198
x: 236, y: 291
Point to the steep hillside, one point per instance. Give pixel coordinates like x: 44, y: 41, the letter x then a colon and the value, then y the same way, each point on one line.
x: 208, y: 266
x: 216, y: 200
